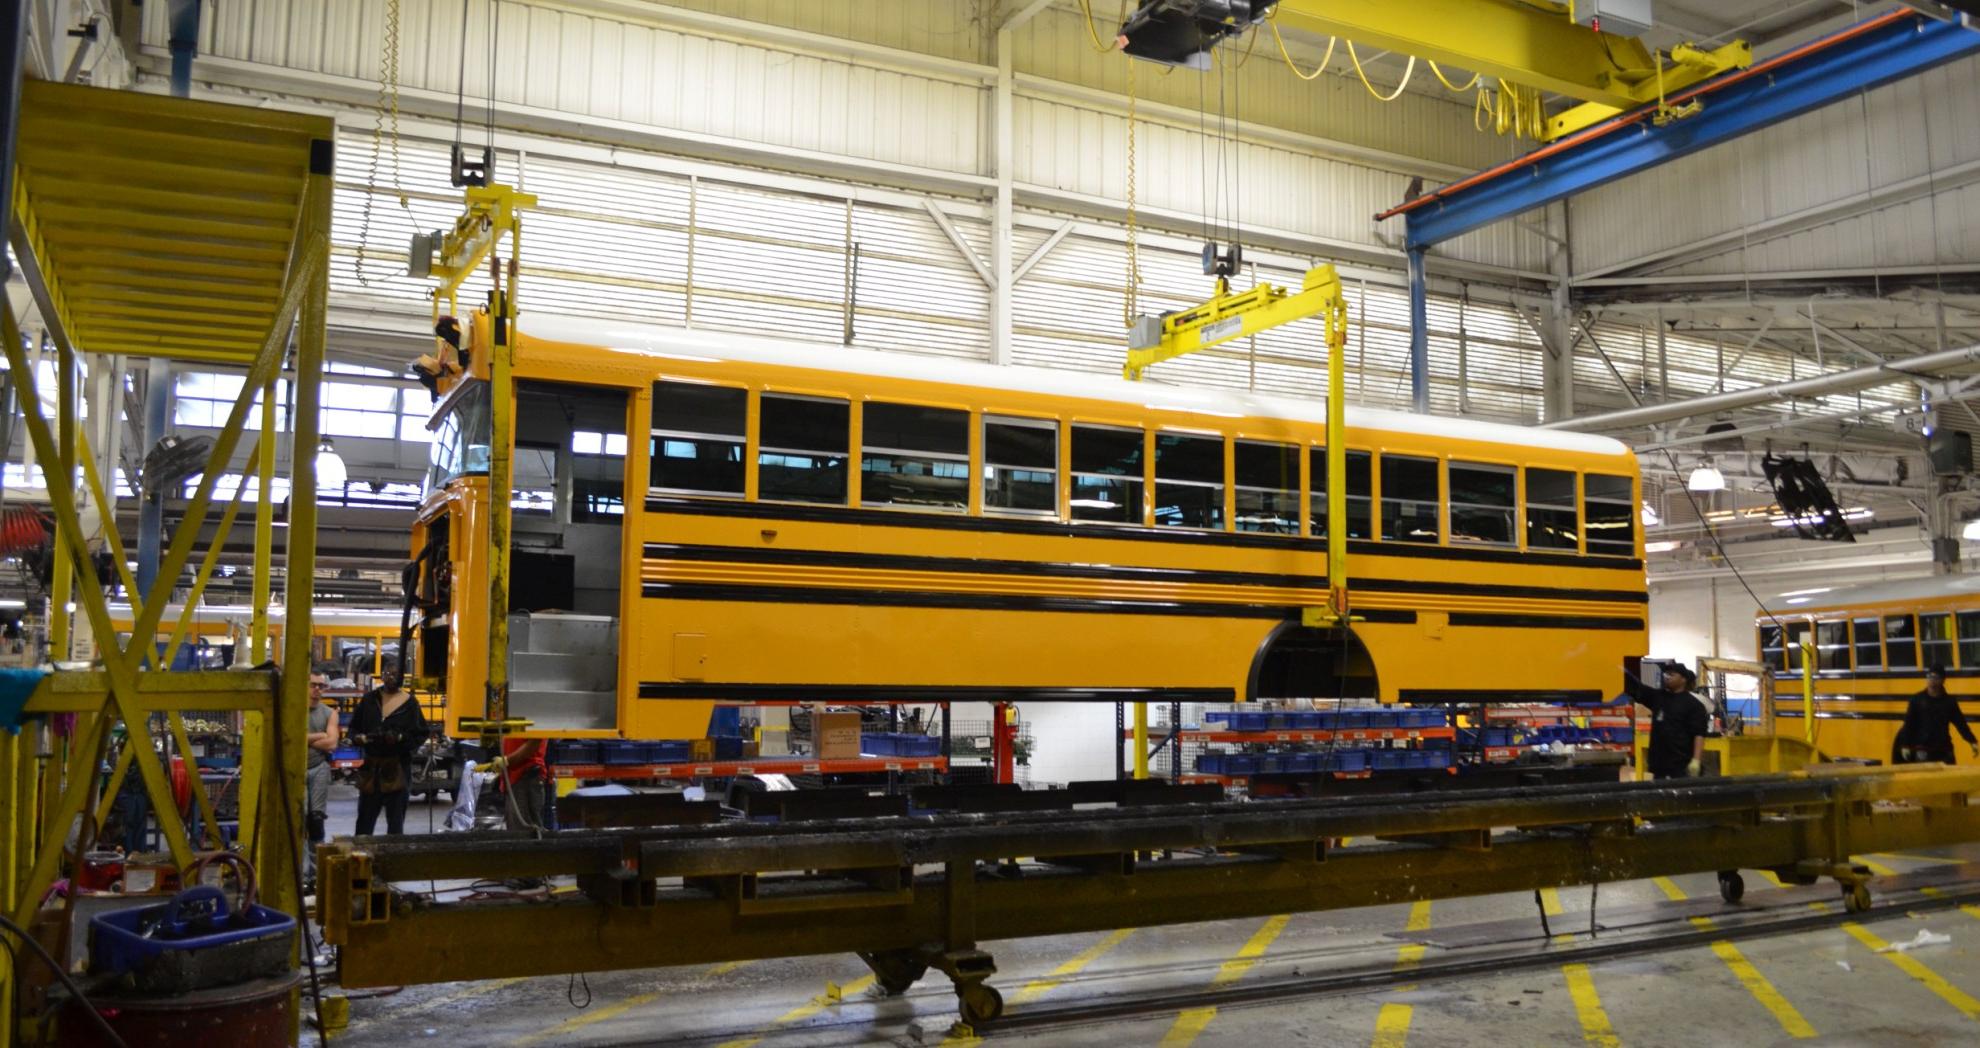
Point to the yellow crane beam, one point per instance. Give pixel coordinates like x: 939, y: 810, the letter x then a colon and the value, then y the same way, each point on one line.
x: 1521, y: 43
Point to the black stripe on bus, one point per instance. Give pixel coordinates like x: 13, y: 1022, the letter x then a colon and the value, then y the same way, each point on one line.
x: 924, y: 693
x: 1473, y: 696
x: 957, y: 522
x: 1547, y: 622
x: 1117, y: 573
x: 1907, y: 673
x: 986, y: 601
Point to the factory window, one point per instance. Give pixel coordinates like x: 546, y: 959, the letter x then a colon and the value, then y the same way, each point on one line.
x: 1900, y: 642
x: 1772, y: 653
x: 1020, y: 465
x: 1869, y: 645
x: 1832, y: 645
x: 1106, y: 474
x: 1267, y: 487
x: 357, y: 410
x: 1409, y: 499
x: 1969, y: 638
x: 1189, y: 481
x: 1360, y: 503
x: 1482, y: 503
x: 801, y: 453
x: 1935, y: 638
x: 1551, y: 520
x: 1609, y: 507
x: 914, y: 456
x: 1797, y: 632
x: 199, y: 398
x: 698, y: 438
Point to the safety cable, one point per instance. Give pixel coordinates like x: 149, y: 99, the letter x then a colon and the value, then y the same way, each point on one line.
x: 1325, y: 61
x: 388, y: 111
x: 1466, y: 86
x: 1408, y: 72
x: 1092, y: 34
x: 1131, y: 303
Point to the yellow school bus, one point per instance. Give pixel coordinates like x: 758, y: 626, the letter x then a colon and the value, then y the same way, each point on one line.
x: 1873, y: 644
x: 704, y: 518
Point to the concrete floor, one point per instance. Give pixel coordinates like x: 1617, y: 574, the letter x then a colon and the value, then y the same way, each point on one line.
x: 1824, y: 986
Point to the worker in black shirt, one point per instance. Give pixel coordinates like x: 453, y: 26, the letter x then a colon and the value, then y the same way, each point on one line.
x: 1679, y: 722
x: 1929, y: 720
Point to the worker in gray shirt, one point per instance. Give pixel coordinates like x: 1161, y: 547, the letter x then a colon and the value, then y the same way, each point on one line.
x: 322, y: 740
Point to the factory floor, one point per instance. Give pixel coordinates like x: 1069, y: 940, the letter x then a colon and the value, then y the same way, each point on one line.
x: 1823, y: 985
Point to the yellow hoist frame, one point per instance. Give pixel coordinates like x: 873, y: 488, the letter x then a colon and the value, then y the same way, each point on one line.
x: 491, y: 212
x: 1228, y: 316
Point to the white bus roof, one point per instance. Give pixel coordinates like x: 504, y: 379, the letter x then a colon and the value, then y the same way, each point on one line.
x: 682, y: 343
x: 1803, y: 602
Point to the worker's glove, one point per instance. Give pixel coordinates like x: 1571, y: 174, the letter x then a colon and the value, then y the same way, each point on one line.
x: 1691, y: 770
x: 1976, y: 751
x: 494, y: 767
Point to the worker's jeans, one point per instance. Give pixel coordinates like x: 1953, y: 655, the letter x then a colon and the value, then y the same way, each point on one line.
x: 316, y: 807
x: 526, y: 812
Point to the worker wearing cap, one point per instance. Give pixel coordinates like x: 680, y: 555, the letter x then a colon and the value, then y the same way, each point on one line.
x: 1679, y: 722
x: 1929, y: 721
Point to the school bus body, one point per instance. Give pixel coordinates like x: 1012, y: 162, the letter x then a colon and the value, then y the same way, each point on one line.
x: 740, y: 597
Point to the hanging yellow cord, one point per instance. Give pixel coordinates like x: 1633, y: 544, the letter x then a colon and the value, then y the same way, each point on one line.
x: 1294, y: 66
x: 1408, y: 71
x: 1468, y: 85
x: 1092, y: 34
x: 1131, y: 301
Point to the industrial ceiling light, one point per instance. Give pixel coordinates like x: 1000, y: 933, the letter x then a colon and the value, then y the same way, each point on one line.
x: 1706, y: 478
x: 1971, y: 532
x: 1650, y: 517
x: 330, y: 472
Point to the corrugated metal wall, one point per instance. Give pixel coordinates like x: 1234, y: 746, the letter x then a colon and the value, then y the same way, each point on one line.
x: 617, y: 67
x: 1899, y: 132
x: 1686, y: 365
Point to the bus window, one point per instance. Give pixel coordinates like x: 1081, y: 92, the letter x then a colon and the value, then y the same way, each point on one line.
x: 1832, y: 645
x: 1361, y: 481
x: 914, y: 456
x: 1969, y: 638
x: 1772, y: 652
x: 1935, y: 639
x: 802, y: 448
x: 1267, y: 484
x: 533, y: 477
x: 1189, y: 481
x: 698, y: 438
x: 1900, y: 642
x: 1797, y: 632
x: 1551, y: 519
x: 1869, y: 645
x: 1409, y: 499
x: 1609, y: 506
x: 1481, y: 503
x: 1020, y: 465
x: 1106, y: 474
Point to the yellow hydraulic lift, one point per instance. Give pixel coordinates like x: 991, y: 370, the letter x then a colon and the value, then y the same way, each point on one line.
x: 149, y: 226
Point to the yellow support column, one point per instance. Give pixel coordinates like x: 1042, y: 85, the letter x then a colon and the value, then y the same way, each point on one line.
x: 61, y: 590
x: 1140, y: 740
x: 254, y: 729
x: 1808, y: 689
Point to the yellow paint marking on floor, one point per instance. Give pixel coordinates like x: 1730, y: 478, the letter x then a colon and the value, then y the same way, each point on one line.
x: 463, y: 994
x: 1392, y: 1022
x: 1772, y: 878
x: 613, y: 1011
x: 1392, y: 1026
x: 1940, y: 859
x: 1670, y: 889
x: 1877, y: 868
x: 1971, y: 911
x: 1189, y: 1025
x: 1595, y: 1027
x: 1758, y: 985
x: 1037, y: 988
x: 1550, y: 902
x: 1909, y: 965
x: 803, y: 1011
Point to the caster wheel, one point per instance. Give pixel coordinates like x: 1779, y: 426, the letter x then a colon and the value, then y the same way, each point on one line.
x: 1856, y: 899
x: 1732, y: 887
x: 980, y: 1003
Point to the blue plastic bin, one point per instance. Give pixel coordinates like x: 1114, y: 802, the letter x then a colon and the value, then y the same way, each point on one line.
x: 1249, y: 721
x: 669, y: 751
x: 1436, y: 759
x: 1210, y: 763
x: 1349, y: 760
x: 621, y: 751
x: 1387, y: 760
x: 191, y: 941
x: 1302, y: 763
x: 1240, y: 764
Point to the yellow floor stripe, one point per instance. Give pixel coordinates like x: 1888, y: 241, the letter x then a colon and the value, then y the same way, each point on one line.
x: 1971, y: 911
x: 1772, y: 878
x: 463, y: 994
x: 1595, y: 1028
x: 1550, y: 902
x: 1877, y: 868
x: 1670, y: 889
x: 1392, y: 1026
x: 1037, y: 988
x: 1392, y: 1022
x: 1756, y: 984
x: 803, y: 1011
x: 1911, y: 966
x: 1940, y: 859
x: 1189, y: 1025
x: 612, y: 1011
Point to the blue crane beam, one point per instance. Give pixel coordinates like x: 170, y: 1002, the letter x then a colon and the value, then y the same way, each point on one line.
x: 1866, y: 56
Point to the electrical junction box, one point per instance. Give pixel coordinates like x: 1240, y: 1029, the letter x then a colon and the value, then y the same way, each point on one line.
x: 1620, y: 17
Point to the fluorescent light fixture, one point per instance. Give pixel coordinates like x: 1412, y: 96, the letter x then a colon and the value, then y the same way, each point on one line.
x: 13, y: 604
x: 330, y: 471
x: 1971, y: 532
x: 1798, y: 600
x: 1706, y: 478
x: 1855, y: 513
x: 1650, y: 517
x: 1809, y: 592
x: 1661, y: 547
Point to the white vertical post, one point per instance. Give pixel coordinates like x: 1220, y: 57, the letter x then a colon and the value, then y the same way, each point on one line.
x: 1000, y: 223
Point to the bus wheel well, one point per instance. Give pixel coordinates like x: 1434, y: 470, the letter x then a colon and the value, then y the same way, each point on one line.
x: 1302, y: 662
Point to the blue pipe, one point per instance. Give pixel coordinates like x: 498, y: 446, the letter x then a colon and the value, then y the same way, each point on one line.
x: 1419, y: 336
x: 185, y: 44
x: 1880, y: 56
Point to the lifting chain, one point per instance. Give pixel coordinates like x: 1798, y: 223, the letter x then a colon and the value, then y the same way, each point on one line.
x: 1131, y: 304
x: 388, y: 112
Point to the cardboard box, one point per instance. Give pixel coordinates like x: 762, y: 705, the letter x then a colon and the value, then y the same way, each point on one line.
x: 701, y: 751
x: 835, y: 736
